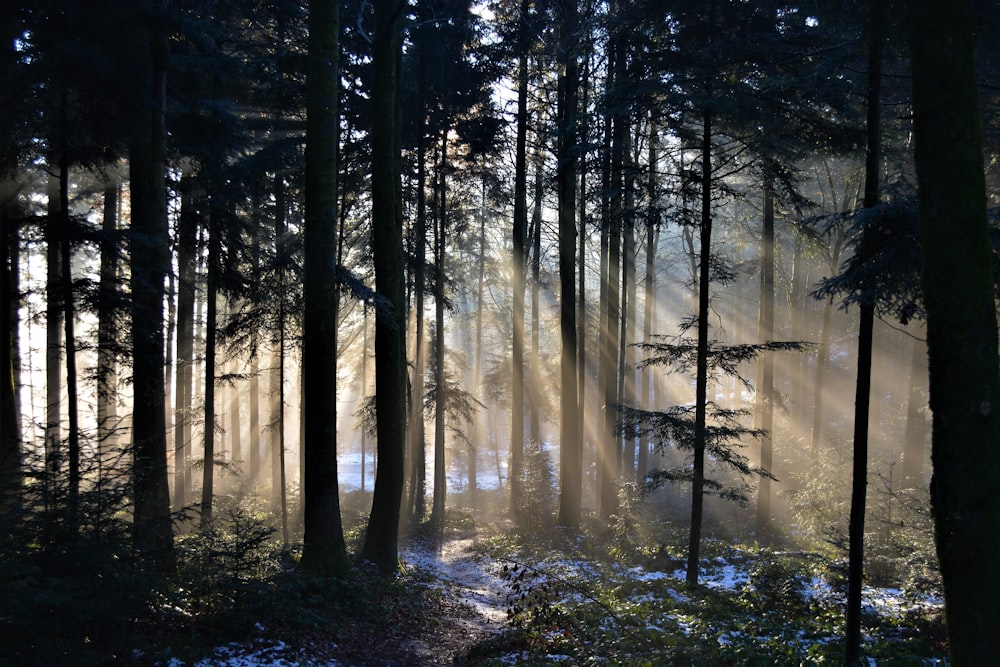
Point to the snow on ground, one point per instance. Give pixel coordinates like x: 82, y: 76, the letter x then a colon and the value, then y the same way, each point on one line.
x: 475, y: 583
x: 472, y: 579
x: 258, y: 653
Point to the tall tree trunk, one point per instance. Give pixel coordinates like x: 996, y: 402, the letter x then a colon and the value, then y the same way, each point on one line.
x: 417, y: 438
x: 441, y: 395
x: 211, y: 306
x: 961, y: 324
x: 866, y: 329
x: 153, y: 533
x: 478, y: 373
x: 11, y: 471
x: 235, y: 418
x: 186, y: 277
x: 570, y: 446
x: 68, y: 315
x: 274, y: 450
x: 516, y: 466
x: 581, y: 286
x: 53, y: 337
x: 626, y: 353
x: 381, y: 540
x: 915, y: 433
x: 364, y: 396
x: 823, y: 354
x: 282, y: 478
x: 765, y: 333
x: 535, y: 255
x: 610, y: 457
x: 701, y: 365
x: 649, y: 294
x: 324, y: 552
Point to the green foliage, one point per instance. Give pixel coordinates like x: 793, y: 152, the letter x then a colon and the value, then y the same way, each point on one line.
x: 758, y: 607
x: 228, y: 559
x: 538, y: 499
x: 777, y: 583
x: 71, y: 587
x: 899, y: 545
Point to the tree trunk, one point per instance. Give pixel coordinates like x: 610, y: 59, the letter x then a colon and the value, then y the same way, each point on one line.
x: 441, y: 395
x: 53, y: 338
x: 516, y: 466
x: 186, y: 250
x: 417, y: 437
x: 68, y: 317
x: 11, y: 455
x: 211, y: 306
x: 823, y: 355
x: 701, y: 372
x: 381, y: 540
x: 153, y: 533
x: 570, y: 446
x: 324, y: 552
x: 626, y: 353
x: 649, y: 298
x: 535, y: 254
x: 765, y: 333
x: 961, y: 324
x: 581, y: 297
x: 866, y: 328
x: 915, y: 433
x: 610, y: 456
x: 478, y: 373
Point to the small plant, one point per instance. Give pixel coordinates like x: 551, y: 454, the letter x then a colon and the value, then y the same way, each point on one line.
x: 777, y: 583
x: 539, y: 494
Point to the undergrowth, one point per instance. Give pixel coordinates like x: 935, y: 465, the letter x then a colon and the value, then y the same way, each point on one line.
x: 602, y: 597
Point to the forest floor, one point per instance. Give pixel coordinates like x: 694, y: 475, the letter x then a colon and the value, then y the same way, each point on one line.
x: 460, y: 604
x: 467, y: 607
x: 573, y: 605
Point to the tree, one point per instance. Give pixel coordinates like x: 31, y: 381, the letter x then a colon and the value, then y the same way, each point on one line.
x: 961, y: 323
x: 324, y: 552
x: 11, y: 472
x: 211, y: 329
x: 862, y: 398
x: 519, y: 231
x: 381, y: 545
x: 187, y: 230
x: 570, y: 445
x: 150, y: 262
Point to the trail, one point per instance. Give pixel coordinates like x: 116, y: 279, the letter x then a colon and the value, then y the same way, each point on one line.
x: 474, y: 587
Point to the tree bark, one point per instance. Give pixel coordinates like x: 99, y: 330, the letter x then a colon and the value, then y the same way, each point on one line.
x: 11, y: 472
x: 915, y: 433
x: 866, y: 328
x: 701, y: 364
x: 609, y: 460
x: 211, y: 306
x: 765, y: 333
x: 381, y: 541
x: 516, y: 466
x: 961, y: 324
x: 570, y: 446
x: 53, y: 337
x: 441, y: 395
x: 153, y: 534
x: 183, y: 387
x: 324, y: 552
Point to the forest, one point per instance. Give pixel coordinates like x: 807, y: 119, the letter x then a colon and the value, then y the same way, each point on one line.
x: 492, y: 332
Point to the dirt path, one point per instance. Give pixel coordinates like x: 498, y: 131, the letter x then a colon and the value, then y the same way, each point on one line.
x: 473, y: 600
